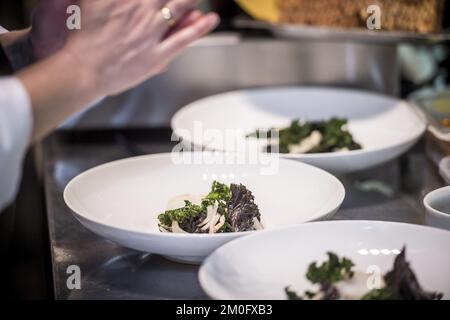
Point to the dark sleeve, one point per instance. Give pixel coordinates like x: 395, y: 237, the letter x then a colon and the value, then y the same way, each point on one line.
x: 5, y: 65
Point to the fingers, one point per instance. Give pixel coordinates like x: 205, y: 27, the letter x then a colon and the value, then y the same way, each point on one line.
x: 176, y: 42
x: 178, y: 9
x: 158, y: 4
x: 162, y: 69
x: 189, y: 19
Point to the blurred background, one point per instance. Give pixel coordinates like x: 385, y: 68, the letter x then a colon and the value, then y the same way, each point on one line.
x: 242, y: 57
x: 16, y: 14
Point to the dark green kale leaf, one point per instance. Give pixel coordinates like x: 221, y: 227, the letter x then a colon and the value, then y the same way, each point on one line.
x: 380, y: 294
x: 401, y: 284
x: 241, y: 209
x: 221, y: 194
x: 294, y: 134
x: 335, y: 136
x: 328, y: 291
x: 187, y: 217
x: 330, y: 271
x: 225, y: 228
x: 292, y: 295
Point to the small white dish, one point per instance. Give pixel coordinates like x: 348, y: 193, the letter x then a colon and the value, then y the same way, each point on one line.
x: 121, y: 200
x: 385, y: 127
x: 437, y: 207
x: 444, y: 169
x: 262, y: 265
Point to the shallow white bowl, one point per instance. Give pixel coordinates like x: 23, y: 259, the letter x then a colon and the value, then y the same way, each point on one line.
x: 121, y: 200
x: 386, y: 127
x: 437, y: 207
x: 262, y: 265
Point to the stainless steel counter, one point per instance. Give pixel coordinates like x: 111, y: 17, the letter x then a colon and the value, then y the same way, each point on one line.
x: 392, y: 192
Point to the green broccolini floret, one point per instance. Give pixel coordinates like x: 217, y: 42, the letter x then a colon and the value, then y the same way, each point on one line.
x: 380, y: 294
x: 182, y: 214
x: 326, y: 275
x: 292, y: 295
x: 331, y: 271
x: 219, y: 193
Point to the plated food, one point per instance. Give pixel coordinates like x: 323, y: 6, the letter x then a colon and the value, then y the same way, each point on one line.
x: 397, y: 15
x: 224, y: 209
x: 309, y: 137
x: 384, y: 127
x: 366, y: 259
x: 122, y: 200
x: 335, y: 277
x: 348, y: 20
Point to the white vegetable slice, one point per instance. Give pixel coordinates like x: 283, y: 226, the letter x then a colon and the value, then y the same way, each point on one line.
x: 257, y: 224
x: 210, y: 213
x: 220, y: 224
x: 210, y: 225
x: 345, y: 149
x: 176, y: 228
x: 162, y: 229
x: 307, y: 144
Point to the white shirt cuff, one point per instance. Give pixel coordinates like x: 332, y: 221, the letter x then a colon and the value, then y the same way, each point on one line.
x: 16, y: 121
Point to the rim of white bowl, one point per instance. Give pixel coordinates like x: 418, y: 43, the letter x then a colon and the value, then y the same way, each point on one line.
x: 79, y: 216
x: 428, y: 205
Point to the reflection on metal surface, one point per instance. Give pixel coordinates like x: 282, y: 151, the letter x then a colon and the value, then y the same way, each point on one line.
x: 140, y: 276
x: 61, y: 255
x: 375, y: 186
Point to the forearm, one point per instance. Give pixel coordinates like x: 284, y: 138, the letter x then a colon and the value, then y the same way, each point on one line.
x: 18, y: 48
x: 58, y: 87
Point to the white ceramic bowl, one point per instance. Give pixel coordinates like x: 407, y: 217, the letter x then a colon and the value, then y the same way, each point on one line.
x: 386, y: 127
x: 121, y: 200
x: 262, y: 265
x: 437, y: 207
x: 444, y: 169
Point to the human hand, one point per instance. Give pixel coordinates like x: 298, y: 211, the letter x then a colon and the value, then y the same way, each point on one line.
x: 123, y: 43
